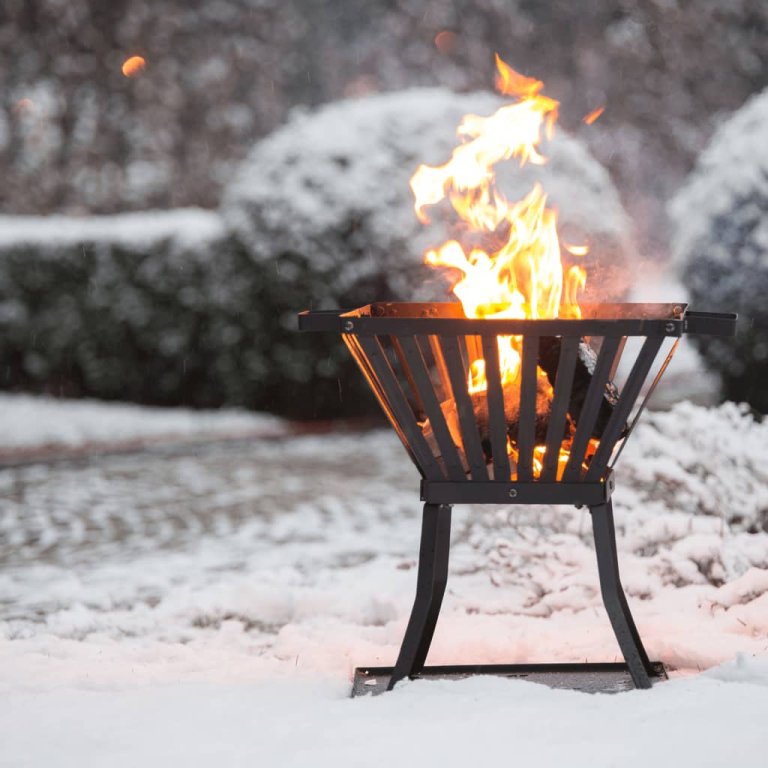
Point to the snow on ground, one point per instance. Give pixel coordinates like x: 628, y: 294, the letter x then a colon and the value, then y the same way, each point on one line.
x: 212, y: 602
x: 31, y: 425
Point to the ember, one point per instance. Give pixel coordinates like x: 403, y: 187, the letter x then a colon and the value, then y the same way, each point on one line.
x: 133, y: 66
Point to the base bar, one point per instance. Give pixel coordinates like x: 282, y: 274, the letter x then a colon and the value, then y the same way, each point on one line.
x: 588, y: 678
x: 503, y: 492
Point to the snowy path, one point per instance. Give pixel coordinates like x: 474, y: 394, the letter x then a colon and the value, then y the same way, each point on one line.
x: 213, y: 600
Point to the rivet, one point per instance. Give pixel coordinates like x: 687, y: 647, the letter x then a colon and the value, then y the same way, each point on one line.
x: 670, y: 327
x: 349, y: 325
x: 512, y: 493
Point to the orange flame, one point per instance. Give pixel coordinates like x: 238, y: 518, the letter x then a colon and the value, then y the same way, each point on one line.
x: 593, y: 115
x: 524, y: 277
x: 133, y: 66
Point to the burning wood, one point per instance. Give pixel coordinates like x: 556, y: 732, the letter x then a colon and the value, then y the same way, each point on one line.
x: 522, y: 276
x: 549, y: 357
x: 511, y: 415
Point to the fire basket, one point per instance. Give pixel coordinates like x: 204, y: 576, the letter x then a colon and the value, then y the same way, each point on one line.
x: 550, y: 436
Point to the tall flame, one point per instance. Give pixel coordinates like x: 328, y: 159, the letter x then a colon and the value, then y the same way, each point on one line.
x: 524, y: 277
x: 518, y: 272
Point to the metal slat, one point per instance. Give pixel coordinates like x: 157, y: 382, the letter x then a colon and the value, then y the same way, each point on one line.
x: 591, y: 407
x: 623, y: 408
x: 496, y: 416
x: 526, y: 427
x: 566, y: 366
x: 398, y: 350
x: 400, y: 408
x: 647, y: 397
x: 470, y: 435
x: 442, y: 371
x: 419, y: 374
x: 446, y: 326
x: 354, y: 347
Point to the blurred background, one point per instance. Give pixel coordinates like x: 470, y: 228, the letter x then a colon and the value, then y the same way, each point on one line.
x: 181, y: 177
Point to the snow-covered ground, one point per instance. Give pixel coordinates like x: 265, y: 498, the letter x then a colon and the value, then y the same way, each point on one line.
x: 211, y: 603
x: 35, y: 426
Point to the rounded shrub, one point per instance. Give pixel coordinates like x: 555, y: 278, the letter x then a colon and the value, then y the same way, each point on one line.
x: 720, y: 245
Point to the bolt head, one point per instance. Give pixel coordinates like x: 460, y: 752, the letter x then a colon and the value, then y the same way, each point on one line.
x: 513, y: 493
x: 349, y: 325
x: 670, y: 327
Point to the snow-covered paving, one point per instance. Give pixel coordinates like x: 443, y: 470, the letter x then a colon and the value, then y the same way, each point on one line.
x: 212, y: 602
x: 35, y: 425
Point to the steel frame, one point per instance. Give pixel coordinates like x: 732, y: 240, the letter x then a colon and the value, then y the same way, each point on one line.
x: 416, y: 358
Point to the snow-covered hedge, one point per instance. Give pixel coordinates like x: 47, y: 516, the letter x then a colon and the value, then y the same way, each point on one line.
x: 161, y: 308
x: 325, y: 202
x: 720, y: 220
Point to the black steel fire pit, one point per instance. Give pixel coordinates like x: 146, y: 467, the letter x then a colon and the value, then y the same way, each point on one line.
x: 513, y: 445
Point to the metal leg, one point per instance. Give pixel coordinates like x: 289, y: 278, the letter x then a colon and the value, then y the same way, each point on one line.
x: 614, y: 599
x: 430, y: 588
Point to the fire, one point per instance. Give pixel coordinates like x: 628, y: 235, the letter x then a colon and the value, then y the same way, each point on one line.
x: 593, y: 115
x: 133, y: 65
x: 519, y: 273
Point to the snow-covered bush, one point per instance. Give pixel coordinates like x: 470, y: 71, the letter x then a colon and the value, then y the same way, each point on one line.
x: 720, y: 220
x: 150, y: 307
x: 325, y: 202
x: 160, y: 308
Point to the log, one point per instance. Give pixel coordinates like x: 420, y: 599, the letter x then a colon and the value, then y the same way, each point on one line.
x: 549, y: 357
x: 511, y: 416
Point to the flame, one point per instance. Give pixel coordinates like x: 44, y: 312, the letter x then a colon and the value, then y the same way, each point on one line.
x: 523, y: 275
x: 133, y: 66
x: 593, y: 115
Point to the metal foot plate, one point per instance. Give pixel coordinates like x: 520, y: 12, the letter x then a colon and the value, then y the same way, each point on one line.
x: 589, y: 678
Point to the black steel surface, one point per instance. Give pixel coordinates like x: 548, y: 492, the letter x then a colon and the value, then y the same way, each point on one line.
x: 417, y: 357
x: 512, y: 492
x: 588, y: 678
x: 430, y: 587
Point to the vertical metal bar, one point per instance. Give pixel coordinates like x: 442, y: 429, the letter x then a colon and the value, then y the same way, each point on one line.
x: 362, y: 361
x: 566, y: 366
x: 496, y: 417
x: 640, y: 667
x: 617, y: 359
x: 623, y: 408
x: 407, y: 373
x: 591, y: 407
x: 470, y: 435
x: 647, y: 397
x: 442, y: 370
x: 474, y: 350
x: 412, y: 357
x: 526, y: 428
x: 400, y: 407
x: 430, y: 587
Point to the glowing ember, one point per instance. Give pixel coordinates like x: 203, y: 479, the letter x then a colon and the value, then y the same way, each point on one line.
x: 133, y: 66
x: 445, y: 41
x: 593, y: 115
x: 519, y: 274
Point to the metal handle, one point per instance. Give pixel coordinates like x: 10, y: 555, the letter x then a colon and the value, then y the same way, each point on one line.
x: 320, y: 320
x: 710, y: 323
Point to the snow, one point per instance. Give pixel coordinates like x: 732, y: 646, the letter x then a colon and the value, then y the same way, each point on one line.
x: 188, y: 225
x: 47, y: 423
x: 212, y: 603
